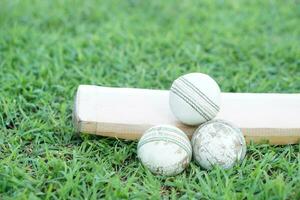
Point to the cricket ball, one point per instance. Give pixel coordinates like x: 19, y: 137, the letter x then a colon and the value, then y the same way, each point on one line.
x: 165, y: 150
x: 218, y: 143
x: 195, y: 98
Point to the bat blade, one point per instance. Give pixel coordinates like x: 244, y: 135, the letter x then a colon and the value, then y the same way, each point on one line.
x: 126, y: 113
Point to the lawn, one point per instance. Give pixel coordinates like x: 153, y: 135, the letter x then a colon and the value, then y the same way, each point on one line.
x: 48, y: 48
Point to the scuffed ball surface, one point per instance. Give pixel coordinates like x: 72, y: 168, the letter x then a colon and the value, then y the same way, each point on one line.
x: 165, y: 150
x: 218, y: 143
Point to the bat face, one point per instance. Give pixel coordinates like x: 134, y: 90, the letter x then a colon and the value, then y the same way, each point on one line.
x: 127, y: 113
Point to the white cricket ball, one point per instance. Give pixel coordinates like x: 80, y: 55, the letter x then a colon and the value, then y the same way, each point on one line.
x: 218, y: 143
x: 195, y: 98
x: 165, y: 150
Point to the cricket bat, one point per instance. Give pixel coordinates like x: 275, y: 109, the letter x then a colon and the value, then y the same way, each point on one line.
x: 126, y: 113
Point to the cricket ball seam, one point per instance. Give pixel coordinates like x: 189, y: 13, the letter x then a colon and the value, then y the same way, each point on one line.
x: 200, y: 93
x: 189, y: 102
x: 200, y: 102
x: 165, y: 128
x: 167, y: 134
x: 167, y: 139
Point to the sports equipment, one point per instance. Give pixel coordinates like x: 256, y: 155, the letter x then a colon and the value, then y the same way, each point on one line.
x: 127, y: 113
x: 194, y: 98
x: 165, y: 150
x: 218, y: 143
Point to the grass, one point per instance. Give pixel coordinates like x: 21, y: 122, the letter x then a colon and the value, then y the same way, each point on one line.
x: 48, y: 48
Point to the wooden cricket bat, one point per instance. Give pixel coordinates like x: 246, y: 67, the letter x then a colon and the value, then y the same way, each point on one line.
x: 126, y: 113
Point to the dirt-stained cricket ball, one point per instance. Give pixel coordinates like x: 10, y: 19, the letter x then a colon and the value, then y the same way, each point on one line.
x: 165, y: 150
x: 218, y: 143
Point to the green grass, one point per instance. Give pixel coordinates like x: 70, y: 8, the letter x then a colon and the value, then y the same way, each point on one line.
x: 48, y: 48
